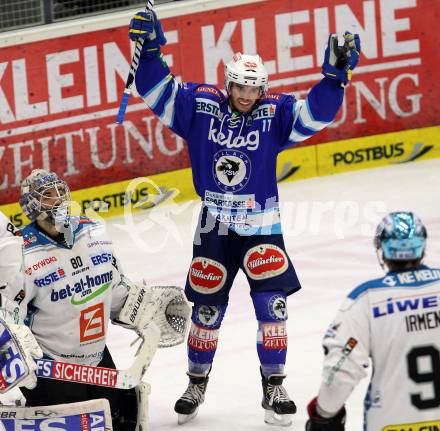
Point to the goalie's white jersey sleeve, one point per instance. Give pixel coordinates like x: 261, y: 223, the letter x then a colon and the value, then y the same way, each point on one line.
x: 72, y: 292
x: 394, y: 324
x: 7, y: 229
x: 11, y: 260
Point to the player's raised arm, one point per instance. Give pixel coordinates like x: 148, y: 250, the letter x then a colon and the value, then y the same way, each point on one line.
x: 172, y: 102
x: 321, y: 105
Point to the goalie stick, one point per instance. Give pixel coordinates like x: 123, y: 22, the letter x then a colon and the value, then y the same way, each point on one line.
x: 131, y: 74
x: 101, y: 376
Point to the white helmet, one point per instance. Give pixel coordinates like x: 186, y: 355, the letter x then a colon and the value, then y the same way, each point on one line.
x: 246, y: 70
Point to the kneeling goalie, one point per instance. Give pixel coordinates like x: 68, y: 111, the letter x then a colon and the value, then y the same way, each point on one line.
x: 73, y: 285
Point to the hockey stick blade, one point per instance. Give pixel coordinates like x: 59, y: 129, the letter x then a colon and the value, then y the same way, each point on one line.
x: 100, y: 376
x: 132, y: 73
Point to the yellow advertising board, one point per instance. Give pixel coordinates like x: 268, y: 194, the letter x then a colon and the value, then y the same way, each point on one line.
x: 378, y: 150
x: 297, y: 164
x: 294, y: 164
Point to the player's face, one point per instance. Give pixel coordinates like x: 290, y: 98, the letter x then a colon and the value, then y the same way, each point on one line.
x: 52, y: 197
x: 243, y: 97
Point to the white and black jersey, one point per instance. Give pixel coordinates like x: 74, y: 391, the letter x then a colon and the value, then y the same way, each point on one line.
x: 394, y: 323
x: 72, y: 291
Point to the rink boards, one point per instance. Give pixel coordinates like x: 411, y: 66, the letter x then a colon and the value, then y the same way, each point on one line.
x: 144, y: 193
x: 60, y: 87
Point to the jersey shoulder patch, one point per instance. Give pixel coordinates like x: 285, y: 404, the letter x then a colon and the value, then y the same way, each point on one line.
x: 83, y: 220
x: 277, y: 98
x: 31, y: 237
x: 209, y: 91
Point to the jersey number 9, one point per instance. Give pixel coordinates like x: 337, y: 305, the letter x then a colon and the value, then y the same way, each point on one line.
x: 432, y: 375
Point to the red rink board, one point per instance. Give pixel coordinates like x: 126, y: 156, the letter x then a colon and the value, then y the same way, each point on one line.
x: 59, y: 97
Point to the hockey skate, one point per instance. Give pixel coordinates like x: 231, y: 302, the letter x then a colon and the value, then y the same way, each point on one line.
x: 187, y: 405
x: 279, y: 408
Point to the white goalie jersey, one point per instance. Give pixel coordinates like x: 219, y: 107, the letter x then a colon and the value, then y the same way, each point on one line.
x: 71, y: 291
x: 394, y: 323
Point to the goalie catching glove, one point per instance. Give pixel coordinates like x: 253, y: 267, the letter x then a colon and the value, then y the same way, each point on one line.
x: 163, y: 305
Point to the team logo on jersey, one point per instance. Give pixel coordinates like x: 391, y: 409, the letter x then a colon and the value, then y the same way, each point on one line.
x: 91, y: 323
x: 251, y: 141
x: 229, y: 200
x: 29, y: 239
x: 267, y: 110
x: 50, y: 278
x: 206, y: 275
x: 100, y: 258
x: 40, y: 264
x: 231, y: 170
x: 82, y: 291
x: 278, y: 307
x: 265, y: 261
x: 208, y: 314
x: 389, y: 280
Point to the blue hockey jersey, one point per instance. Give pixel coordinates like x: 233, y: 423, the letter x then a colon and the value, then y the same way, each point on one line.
x: 233, y: 156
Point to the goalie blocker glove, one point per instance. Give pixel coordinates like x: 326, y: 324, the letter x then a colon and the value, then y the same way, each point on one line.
x: 17, y: 360
x: 320, y: 423
x: 340, y: 61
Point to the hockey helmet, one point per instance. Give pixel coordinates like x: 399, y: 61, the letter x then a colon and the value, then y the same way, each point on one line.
x: 246, y: 69
x: 45, y: 196
x: 401, y: 236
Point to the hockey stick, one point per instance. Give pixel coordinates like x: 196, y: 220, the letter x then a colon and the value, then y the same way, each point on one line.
x: 100, y: 376
x: 131, y: 74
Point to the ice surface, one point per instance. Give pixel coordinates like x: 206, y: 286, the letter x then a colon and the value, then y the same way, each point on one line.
x: 332, y: 252
x: 328, y: 224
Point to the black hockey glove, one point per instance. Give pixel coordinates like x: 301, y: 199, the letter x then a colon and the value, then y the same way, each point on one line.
x: 318, y: 423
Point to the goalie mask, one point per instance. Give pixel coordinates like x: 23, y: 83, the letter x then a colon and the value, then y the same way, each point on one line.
x: 44, y: 196
x: 401, y: 236
x: 246, y: 70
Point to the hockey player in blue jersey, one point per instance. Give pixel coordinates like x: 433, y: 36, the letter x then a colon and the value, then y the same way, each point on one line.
x: 234, y: 138
x: 394, y: 323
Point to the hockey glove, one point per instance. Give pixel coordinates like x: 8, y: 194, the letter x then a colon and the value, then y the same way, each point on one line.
x: 145, y: 25
x: 319, y: 423
x: 340, y: 61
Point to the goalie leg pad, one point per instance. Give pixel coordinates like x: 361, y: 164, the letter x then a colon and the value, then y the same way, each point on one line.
x: 133, y: 409
x: 93, y: 415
